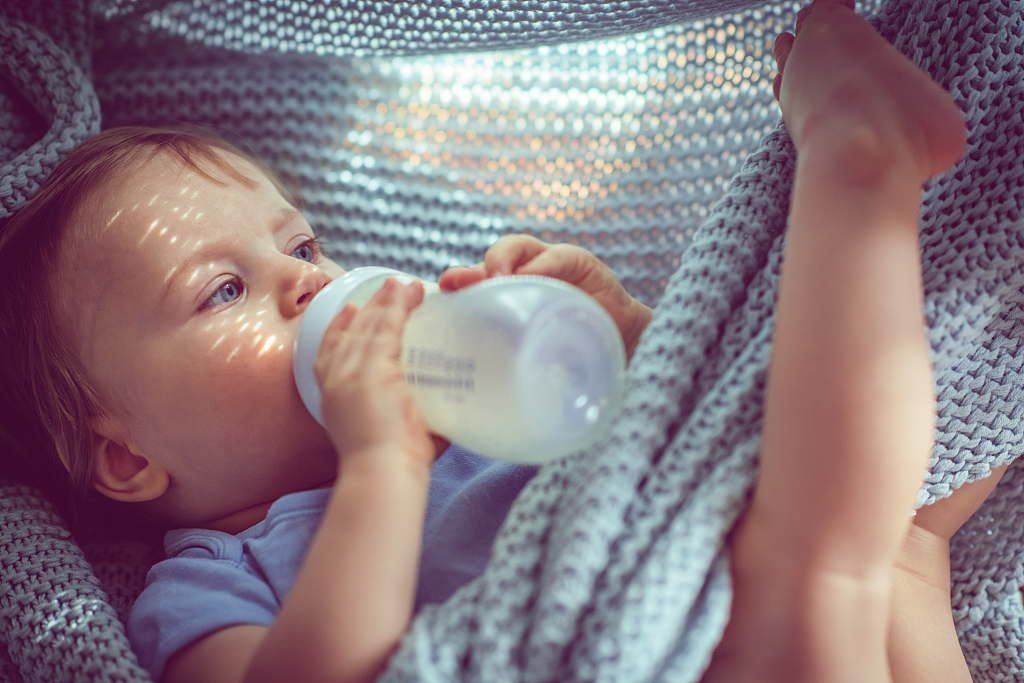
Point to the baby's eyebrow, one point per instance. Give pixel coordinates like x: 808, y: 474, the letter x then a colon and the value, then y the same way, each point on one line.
x: 211, y: 251
x: 284, y: 217
x: 208, y: 252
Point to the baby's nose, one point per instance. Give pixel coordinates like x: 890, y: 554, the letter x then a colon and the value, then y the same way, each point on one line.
x: 306, y: 286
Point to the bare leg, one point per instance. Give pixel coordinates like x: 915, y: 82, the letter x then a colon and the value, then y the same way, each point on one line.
x: 849, y: 405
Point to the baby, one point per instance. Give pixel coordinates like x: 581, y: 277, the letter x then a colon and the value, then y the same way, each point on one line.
x: 161, y: 276
x: 180, y: 274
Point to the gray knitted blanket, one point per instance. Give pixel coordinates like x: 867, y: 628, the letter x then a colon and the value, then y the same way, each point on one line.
x: 611, y: 565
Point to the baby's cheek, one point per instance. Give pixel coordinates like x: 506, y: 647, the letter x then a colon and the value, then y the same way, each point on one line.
x: 253, y: 362
x: 228, y: 374
x: 231, y: 336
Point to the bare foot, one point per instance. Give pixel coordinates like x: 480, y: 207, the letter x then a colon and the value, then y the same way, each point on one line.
x: 838, y: 67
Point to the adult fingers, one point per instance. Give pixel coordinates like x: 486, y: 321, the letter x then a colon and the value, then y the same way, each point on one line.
x: 561, y: 261
x: 509, y: 253
x: 458, y: 277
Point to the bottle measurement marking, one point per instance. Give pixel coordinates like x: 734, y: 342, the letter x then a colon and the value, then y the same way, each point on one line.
x: 435, y: 369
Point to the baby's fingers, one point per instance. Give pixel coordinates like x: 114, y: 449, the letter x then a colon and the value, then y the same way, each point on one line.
x: 334, y: 331
x: 801, y: 16
x: 805, y: 12
x: 358, y: 332
x: 784, y: 43
x: 387, y: 310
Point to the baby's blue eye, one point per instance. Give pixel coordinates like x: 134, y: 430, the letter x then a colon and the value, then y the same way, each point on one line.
x: 307, y: 251
x: 227, y: 292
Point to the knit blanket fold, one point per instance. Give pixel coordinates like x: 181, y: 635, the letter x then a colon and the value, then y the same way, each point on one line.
x: 612, y: 564
x: 37, y: 72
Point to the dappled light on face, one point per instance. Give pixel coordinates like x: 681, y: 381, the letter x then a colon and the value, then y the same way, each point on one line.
x: 206, y: 256
x: 255, y: 326
x: 195, y: 273
x: 163, y: 225
x: 113, y: 218
x: 268, y: 345
x: 162, y: 211
x: 245, y: 337
x: 256, y: 347
x: 149, y: 231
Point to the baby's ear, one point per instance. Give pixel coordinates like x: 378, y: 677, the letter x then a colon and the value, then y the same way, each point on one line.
x: 120, y: 474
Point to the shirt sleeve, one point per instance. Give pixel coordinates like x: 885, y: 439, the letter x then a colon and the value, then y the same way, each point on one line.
x: 204, y: 588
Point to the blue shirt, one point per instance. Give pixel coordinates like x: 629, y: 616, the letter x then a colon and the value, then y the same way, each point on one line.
x: 212, y: 580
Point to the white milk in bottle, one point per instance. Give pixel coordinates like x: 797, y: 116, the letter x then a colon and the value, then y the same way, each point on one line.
x: 520, y: 368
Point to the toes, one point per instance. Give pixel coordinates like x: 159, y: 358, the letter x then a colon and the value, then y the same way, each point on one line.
x: 805, y: 12
x: 800, y: 16
x: 782, y: 47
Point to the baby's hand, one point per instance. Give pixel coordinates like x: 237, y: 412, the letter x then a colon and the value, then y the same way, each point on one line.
x: 367, y: 407
x: 525, y: 255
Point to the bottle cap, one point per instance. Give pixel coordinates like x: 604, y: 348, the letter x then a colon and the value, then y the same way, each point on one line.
x: 324, y: 307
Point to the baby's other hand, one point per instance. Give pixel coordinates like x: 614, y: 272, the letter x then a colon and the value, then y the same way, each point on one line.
x: 526, y: 255
x: 367, y: 407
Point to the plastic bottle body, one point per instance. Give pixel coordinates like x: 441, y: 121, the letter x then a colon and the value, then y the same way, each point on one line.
x: 521, y: 368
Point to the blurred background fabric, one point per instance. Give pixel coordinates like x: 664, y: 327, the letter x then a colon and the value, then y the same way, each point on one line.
x: 412, y: 157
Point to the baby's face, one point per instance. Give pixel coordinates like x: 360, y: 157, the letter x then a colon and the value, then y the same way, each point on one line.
x: 186, y: 296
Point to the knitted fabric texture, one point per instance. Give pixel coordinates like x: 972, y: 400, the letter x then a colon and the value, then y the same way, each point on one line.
x: 42, y: 84
x: 612, y: 564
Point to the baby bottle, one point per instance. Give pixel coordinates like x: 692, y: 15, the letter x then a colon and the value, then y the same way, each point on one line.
x: 520, y: 368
